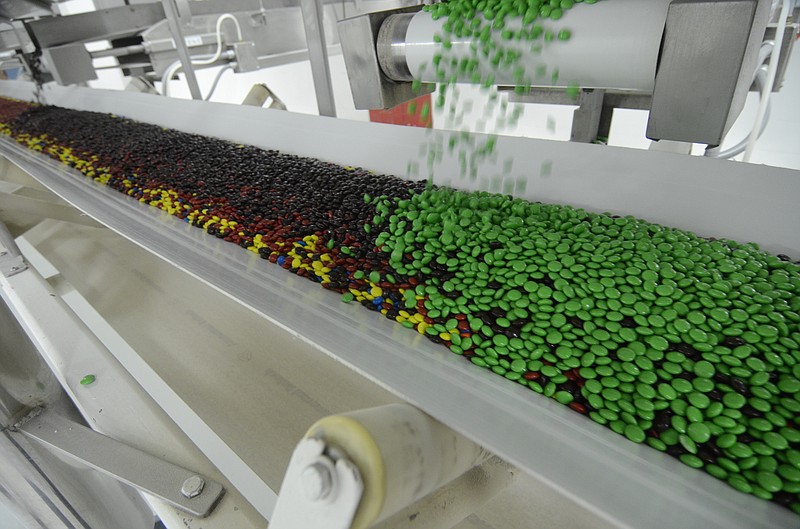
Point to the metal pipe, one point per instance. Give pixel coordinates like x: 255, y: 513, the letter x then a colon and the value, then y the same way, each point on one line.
x: 118, y: 52
x: 391, y: 47
x: 614, y: 45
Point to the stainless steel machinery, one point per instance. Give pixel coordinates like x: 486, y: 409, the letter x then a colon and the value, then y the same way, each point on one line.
x: 210, y: 359
x: 152, y: 375
x: 689, y: 63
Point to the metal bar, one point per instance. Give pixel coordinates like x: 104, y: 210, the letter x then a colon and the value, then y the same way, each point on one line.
x: 178, y: 486
x: 118, y: 52
x: 45, y: 209
x: 25, y: 485
x: 180, y: 44
x: 318, y: 55
x: 7, y: 240
x: 289, y: 57
x: 586, y: 119
x: 184, y: 11
x: 71, y: 350
x: 95, y: 25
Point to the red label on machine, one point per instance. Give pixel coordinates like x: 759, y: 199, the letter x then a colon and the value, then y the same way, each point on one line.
x: 414, y: 113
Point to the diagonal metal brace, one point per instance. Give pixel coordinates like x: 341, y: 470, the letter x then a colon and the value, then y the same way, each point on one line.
x: 182, y: 488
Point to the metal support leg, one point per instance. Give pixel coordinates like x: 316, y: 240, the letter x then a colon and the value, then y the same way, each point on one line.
x: 318, y: 55
x: 180, y: 44
x: 586, y: 119
x: 7, y: 243
x: 182, y: 488
x: 184, y: 11
x: 604, y: 125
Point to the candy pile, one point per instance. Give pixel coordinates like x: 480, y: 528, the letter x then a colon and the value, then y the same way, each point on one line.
x: 686, y: 344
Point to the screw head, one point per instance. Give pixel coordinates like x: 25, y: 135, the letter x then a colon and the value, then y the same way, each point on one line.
x: 14, y: 268
x: 193, y: 486
x: 317, y: 482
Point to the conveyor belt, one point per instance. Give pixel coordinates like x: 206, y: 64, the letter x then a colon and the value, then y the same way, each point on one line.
x: 574, y: 455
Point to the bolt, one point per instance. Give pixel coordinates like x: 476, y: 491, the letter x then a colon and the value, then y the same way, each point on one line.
x: 317, y: 482
x: 14, y: 268
x: 193, y: 486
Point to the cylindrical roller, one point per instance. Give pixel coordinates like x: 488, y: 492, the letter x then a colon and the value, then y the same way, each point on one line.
x: 454, y: 502
x: 614, y: 45
x: 402, y: 454
x: 391, y: 47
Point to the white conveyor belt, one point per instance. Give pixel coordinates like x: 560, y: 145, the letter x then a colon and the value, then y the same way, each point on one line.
x: 629, y: 485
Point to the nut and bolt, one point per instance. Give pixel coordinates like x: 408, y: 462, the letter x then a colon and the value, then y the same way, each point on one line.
x: 317, y: 481
x: 193, y: 486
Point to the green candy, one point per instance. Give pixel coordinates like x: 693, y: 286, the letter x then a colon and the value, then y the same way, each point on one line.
x: 634, y: 433
x: 691, y: 460
x: 698, y: 432
x: 658, y: 343
x: 767, y: 331
x: 733, y: 400
x: 769, y: 481
x: 704, y: 369
x: 696, y: 317
x: 687, y: 443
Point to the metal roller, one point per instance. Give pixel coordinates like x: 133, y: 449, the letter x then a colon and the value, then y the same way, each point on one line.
x: 375, y: 461
x: 614, y: 45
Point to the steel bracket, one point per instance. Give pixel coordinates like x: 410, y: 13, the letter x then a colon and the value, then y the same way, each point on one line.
x: 11, y: 265
x: 321, y: 488
x: 181, y: 488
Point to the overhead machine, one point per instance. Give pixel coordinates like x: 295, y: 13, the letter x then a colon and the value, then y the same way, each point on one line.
x: 612, y: 342
x: 690, y: 64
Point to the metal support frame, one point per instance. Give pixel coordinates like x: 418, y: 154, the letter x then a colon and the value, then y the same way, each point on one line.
x: 8, y: 246
x: 30, y: 201
x: 10, y: 264
x: 173, y: 19
x: 318, y: 55
x: 321, y: 488
x: 94, y: 25
x: 32, y: 494
x: 370, y: 86
x: 592, y: 119
x: 586, y: 119
x: 182, y: 488
x: 708, y: 56
x: 11, y: 260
